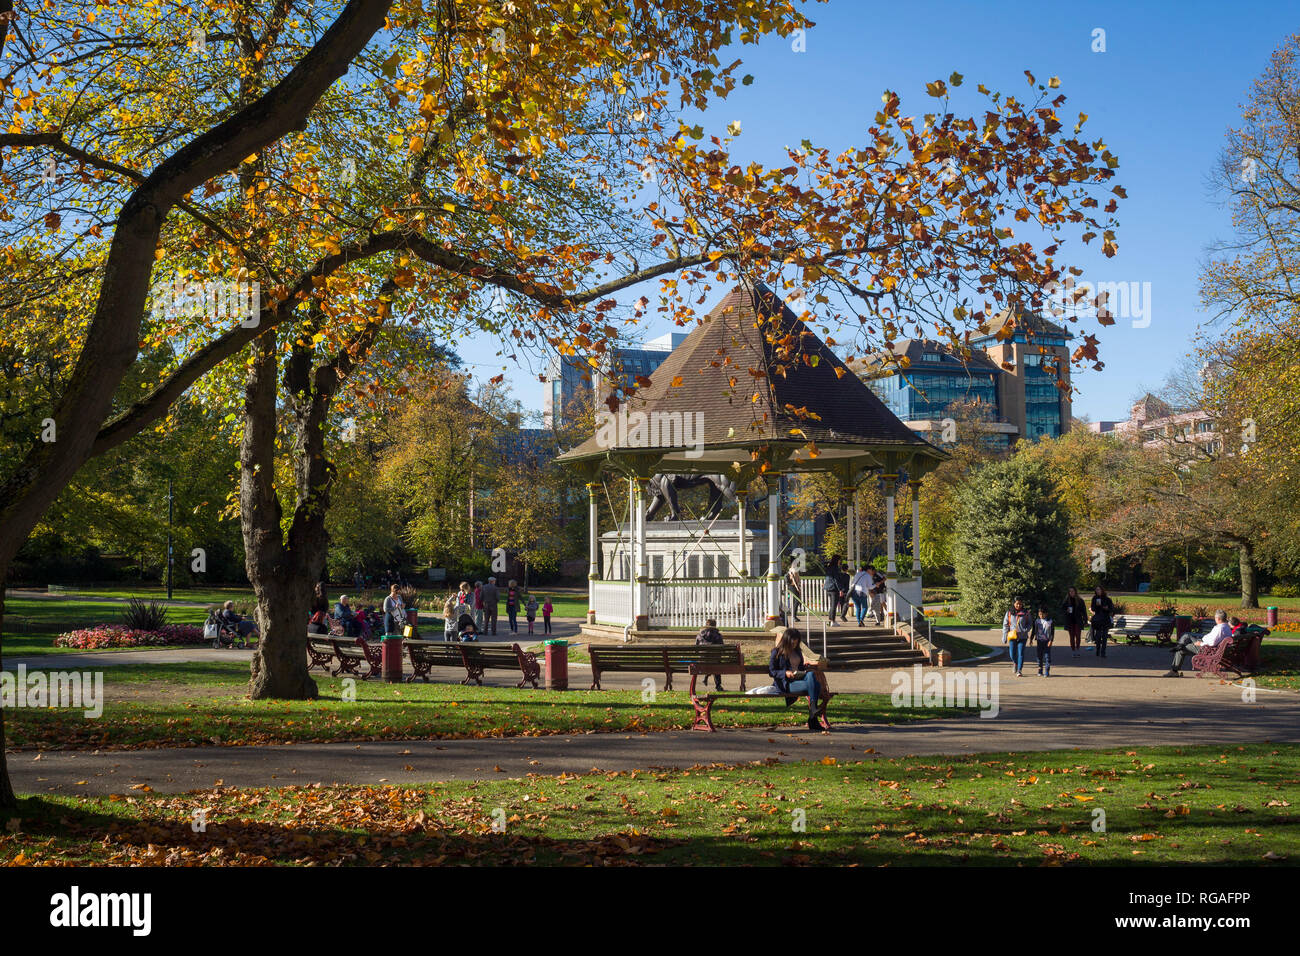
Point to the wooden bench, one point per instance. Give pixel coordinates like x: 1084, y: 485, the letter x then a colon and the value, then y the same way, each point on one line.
x: 427, y: 654
x: 666, y: 659
x: 703, y: 703
x: 475, y: 658
x: 349, y: 652
x: 1209, y: 660
x: 1134, y: 627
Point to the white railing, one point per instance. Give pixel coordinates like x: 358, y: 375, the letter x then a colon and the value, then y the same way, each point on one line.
x: 814, y: 599
x: 732, y: 603
x: 613, y: 602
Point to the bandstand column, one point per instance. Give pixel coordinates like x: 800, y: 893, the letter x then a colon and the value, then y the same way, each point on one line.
x: 593, y: 545
x: 742, y: 546
x: 641, y: 587
x: 891, y: 569
x: 853, y: 556
x: 773, y: 549
x: 916, y: 529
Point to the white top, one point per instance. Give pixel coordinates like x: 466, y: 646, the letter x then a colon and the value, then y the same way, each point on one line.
x: 1217, y: 633
x: 861, y: 582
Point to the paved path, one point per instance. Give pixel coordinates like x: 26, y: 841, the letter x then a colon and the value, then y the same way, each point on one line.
x: 1118, y: 701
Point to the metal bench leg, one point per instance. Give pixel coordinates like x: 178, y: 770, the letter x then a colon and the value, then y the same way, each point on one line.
x: 703, y: 719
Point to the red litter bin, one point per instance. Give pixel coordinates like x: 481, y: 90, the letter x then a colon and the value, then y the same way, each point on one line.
x: 557, y: 665
x: 1272, y: 617
x: 392, y: 659
x: 1182, y: 624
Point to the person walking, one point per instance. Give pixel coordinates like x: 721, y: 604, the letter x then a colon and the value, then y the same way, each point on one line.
x: 512, y: 606
x: 394, y: 611
x: 794, y: 586
x: 530, y: 611
x: 1074, y: 614
x: 1044, y: 633
x: 478, y: 606
x: 1017, y: 625
x: 1103, y: 614
x: 860, y: 592
x: 709, y: 634
x: 831, y: 585
x: 491, y: 603
x: 547, y: 610
x: 878, y: 586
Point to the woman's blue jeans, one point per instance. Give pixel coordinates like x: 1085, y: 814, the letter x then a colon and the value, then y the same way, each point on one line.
x: 808, y: 685
x: 1017, y: 651
x: 860, y: 604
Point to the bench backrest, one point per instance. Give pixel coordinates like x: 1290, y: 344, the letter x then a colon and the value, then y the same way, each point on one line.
x: 435, y: 652
x: 666, y: 656
x: 488, y: 655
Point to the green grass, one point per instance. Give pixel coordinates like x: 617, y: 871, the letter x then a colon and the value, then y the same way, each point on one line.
x: 187, y: 704
x: 1279, y: 666
x: 32, y: 624
x: 1200, y: 806
x: 1186, y: 600
x: 960, y: 647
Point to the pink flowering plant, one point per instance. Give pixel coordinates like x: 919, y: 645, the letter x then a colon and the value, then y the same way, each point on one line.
x: 120, y: 635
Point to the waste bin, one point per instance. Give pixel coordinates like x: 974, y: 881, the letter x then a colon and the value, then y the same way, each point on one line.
x: 557, y: 665
x: 1182, y: 624
x: 392, y: 658
x: 1272, y: 617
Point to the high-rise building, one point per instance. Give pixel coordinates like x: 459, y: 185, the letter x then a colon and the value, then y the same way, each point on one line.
x: 1011, y: 376
x: 572, y: 379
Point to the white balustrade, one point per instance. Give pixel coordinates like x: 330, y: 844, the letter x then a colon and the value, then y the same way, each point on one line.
x: 613, y: 602
x: 732, y: 603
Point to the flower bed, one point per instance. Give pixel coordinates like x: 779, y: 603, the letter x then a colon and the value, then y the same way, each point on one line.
x: 1254, y: 615
x: 119, y: 635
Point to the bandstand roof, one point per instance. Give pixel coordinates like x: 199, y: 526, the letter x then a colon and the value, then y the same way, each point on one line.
x: 758, y: 382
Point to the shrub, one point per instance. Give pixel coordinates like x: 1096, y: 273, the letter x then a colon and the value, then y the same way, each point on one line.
x: 1285, y: 590
x: 411, y: 597
x: 144, y: 615
x: 1012, y: 538
x: 1165, y: 607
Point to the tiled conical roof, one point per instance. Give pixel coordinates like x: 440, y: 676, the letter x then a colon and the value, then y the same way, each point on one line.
x: 756, y: 373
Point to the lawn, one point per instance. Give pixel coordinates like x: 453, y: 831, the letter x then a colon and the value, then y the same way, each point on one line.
x: 188, y: 704
x: 1279, y: 666
x: 1134, y: 806
x: 32, y: 624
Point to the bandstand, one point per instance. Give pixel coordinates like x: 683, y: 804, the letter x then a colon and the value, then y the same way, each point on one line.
x: 760, y: 396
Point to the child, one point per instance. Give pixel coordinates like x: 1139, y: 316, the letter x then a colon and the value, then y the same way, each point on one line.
x: 530, y: 610
x: 1044, y: 631
x: 547, y: 608
x: 709, y: 634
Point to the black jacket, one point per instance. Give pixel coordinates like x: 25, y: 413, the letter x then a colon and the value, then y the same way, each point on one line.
x: 778, y: 664
x: 708, y: 635
x: 1074, y: 611
x: 1103, y: 609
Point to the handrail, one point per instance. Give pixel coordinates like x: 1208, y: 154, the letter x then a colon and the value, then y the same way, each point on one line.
x: 929, y: 625
x: 809, y: 611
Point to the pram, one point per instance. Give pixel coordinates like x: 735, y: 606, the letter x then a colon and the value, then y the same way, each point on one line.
x: 466, y: 631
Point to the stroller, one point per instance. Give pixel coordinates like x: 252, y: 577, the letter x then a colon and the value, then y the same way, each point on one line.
x: 466, y: 632
x: 222, y: 633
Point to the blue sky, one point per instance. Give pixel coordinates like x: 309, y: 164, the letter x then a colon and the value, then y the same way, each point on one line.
x: 1162, y: 95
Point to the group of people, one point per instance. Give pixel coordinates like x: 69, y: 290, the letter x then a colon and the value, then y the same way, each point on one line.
x: 865, y: 589
x: 361, y: 622
x: 471, y: 612
x: 1020, y: 627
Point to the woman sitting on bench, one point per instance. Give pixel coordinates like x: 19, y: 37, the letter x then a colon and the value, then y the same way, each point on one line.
x: 795, y: 678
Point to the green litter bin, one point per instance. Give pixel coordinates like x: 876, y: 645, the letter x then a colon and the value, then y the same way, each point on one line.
x: 1272, y: 617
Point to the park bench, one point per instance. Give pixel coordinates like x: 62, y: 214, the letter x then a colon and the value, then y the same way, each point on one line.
x: 349, y: 652
x: 475, y: 658
x: 1209, y: 660
x: 703, y: 703
x: 661, y: 659
x: 1134, y: 627
x: 1238, y: 654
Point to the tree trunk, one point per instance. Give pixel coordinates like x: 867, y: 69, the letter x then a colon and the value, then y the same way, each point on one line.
x: 1249, y: 580
x: 8, y: 799
x: 279, y: 669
